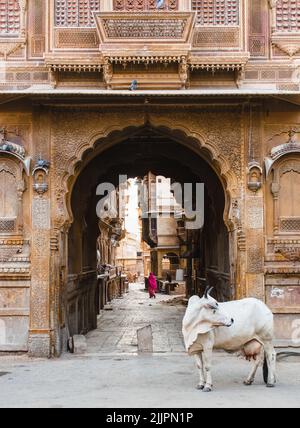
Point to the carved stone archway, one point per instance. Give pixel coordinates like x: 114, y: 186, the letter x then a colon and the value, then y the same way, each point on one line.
x: 88, y: 135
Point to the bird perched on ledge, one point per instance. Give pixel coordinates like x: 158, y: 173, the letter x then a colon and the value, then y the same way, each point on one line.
x: 160, y: 4
x: 134, y: 85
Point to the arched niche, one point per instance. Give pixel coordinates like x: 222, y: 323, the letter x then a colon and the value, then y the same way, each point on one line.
x: 12, y: 187
x: 284, y: 179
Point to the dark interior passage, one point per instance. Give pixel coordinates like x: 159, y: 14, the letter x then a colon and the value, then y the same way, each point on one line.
x: 147, y: 149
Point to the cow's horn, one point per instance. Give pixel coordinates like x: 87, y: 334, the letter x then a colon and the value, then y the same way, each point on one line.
x: 209, y: 291
x: 206, y: 292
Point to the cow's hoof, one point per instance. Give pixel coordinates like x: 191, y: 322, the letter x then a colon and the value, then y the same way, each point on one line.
x: 200, y: 387
x: 248, y: 382
x: 270, y: 385
x: 207, y: 389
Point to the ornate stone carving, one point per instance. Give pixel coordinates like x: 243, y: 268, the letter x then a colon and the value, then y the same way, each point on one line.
x: 254, y: 173
x: 211, y: 130
x: 12, y: 26
x: 286, y: 26
x: 12, y: 185
x: 10, y: 17
x: 183, y: 72
x: 143, y: 28
x: 143, y: 5
x: 292, y: 146
x: 212, y: 12
x: 289, y: 249
x: 16, y: 150
x: 76, y: 13
x: 287, y: 15
x: 107, y: 73
x: 40, y: 175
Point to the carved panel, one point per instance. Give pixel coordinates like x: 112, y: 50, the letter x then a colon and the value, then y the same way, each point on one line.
x: 36, y: 16
x: 10, y: 19
x: 216, y: 37
x: 216, y: 12
x: 285, y: 190
x: 10, y: 185
x: 76, y: 38
x: 258, y: 29
x: 290, y: 224
x: 136, y: 5
x: 76, y: 13
x: 144, y: 28
x: 288, y: 15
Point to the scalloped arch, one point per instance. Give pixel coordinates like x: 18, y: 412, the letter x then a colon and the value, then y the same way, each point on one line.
x: 196, y: 141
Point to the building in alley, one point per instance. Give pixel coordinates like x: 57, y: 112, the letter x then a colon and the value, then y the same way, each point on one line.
x: 199, y: 91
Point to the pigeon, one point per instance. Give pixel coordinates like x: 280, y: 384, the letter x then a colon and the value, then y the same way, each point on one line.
x: 134, y: 85
x: 160, y: 4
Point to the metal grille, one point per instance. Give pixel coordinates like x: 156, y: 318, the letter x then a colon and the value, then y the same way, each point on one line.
x: 288, y: 15
x: 216, y: 12
x: 76, y: 13
x: 9, y: 17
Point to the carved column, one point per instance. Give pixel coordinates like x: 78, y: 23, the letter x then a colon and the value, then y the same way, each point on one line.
x: 39, y: 340
x: 184, y: 5
x: 272, y: 4
x: 23, y: 12
x: 275, y: 192
x: 39, y: 336
x: 106, y: 5
x: 254, y: 208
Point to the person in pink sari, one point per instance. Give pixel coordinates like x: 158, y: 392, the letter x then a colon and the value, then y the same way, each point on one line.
x: 152, y: 288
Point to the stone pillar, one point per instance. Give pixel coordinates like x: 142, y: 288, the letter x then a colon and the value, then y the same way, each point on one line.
x: 255, y: 245
x: 185, y: 5
x: 39, y: 344
x: 106, y: 6
x: 39, y: 336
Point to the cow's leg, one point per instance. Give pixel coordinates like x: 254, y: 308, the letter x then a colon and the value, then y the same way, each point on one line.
x: 271, y: 361
x: 250, y: 379
x: 207, y: 364
x: 199, y: 362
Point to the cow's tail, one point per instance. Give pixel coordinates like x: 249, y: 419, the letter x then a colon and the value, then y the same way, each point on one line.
x: 265, y: 369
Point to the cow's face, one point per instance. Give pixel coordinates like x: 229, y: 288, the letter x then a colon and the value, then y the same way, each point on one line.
x: 212, y: 314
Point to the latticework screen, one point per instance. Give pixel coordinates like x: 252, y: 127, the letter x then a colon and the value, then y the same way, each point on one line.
x: 76, y: 13
x: 217, y: 12
x: 9, y: 17
x: 288, y: 15
x: 143, y: 5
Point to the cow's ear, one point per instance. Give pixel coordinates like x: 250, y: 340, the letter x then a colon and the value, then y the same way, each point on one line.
x: 205, y: 327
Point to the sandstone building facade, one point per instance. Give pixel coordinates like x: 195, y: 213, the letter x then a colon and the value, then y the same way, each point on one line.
x: 215, y: 100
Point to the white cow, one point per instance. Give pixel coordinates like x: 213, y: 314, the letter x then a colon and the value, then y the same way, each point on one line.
x: 244, y: 326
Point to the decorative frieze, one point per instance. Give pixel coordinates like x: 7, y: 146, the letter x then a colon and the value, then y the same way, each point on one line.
x: 143, y: 5
x: 144, y: 28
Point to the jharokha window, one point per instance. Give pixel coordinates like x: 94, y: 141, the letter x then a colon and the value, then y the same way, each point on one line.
x: 216, y: 12
x: 9, y: 18
x: 76, y: 13
x: 288, y: 15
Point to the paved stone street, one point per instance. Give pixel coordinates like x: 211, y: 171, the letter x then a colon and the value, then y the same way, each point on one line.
x: 117, y: 332
x: 113, y: 375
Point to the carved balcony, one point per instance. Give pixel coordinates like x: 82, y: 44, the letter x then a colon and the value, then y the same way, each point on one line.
x: 144, y: 36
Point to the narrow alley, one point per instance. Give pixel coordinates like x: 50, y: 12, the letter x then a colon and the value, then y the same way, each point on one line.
x: 117, y: 328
